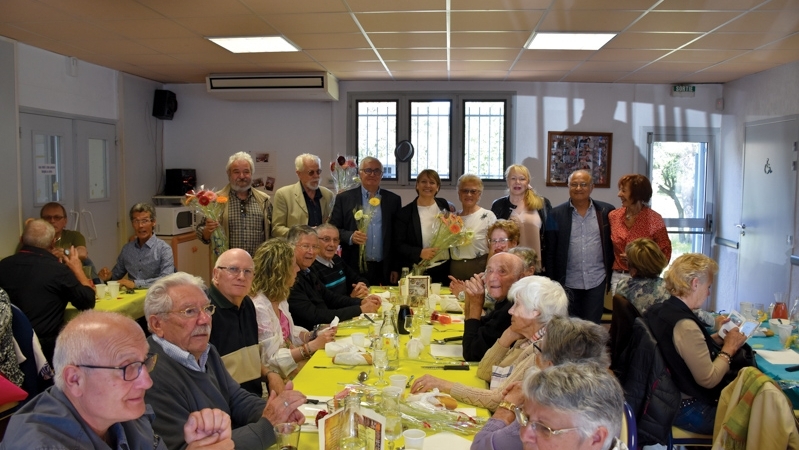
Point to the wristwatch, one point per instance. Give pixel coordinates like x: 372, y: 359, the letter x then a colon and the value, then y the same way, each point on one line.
x: 508, y: 405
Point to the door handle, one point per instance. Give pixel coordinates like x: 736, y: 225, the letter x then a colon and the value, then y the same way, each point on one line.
x: 91, y: 222
x: 742, y: 226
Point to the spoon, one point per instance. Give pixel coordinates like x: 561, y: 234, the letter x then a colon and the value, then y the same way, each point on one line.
x: 408, y: 384
x: 363, y: 376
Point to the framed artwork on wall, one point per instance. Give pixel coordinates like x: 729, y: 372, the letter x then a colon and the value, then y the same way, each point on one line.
x: 568, y: 151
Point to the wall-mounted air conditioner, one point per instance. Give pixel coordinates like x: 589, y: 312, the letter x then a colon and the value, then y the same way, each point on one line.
x: 314, y: 86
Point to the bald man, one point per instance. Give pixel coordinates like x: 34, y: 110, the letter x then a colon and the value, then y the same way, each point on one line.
x: 234, y: 330
x: 479, y: 331
x: 102, y: 371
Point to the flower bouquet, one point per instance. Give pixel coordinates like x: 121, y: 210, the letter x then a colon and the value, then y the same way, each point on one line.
x: 364, y: 218
x: 211, y: 206
x: 448, y: 231
x: 345, y: 175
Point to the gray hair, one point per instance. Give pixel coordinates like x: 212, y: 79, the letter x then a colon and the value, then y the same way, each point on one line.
x: 299, y: 161
x: 470, y: 178
x: 587, y: 392
x: 528, y: 256
x: 240, y: 156
x: 158, y: 300
x: 590, y: 177
x: 367, y: 160
x: 297, y: 232
x: 569, y: 339
x: 142, y: 208
x: 82, y: 340
x: 38, y: 233
x: 326, y: 226
x: 536, y: 293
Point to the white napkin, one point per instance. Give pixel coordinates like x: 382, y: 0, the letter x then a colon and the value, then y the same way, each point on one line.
x: 353, y: 359
x: 447, y: 440
x: 786, y: 356
x: 446, y: 351
x: 415, y: 347
x: 334, y: 348
x: 450, y: 304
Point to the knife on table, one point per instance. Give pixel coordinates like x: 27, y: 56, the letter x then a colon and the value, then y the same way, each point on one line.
x: 458, y: 367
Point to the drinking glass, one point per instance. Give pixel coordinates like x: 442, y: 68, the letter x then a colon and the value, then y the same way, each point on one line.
x: 380, y: 363
x: 410, y: 325
x: 391, y: 411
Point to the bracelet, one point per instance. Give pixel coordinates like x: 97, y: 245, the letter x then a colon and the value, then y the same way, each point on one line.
x: 508, y: 405
x: 314, y: 335
x: 726, y: 356
x: 303, y: 355
x: 307, y: 351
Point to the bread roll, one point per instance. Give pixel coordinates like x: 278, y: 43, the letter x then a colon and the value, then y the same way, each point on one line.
x: 447, y: 401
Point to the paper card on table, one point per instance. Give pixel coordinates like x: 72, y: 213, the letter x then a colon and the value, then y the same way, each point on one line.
x: 786, y: 356
x: 372, y: 425
x: 449, y: 441
x: 446, y: 351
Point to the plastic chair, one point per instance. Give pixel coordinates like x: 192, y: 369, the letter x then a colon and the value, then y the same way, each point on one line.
x: 629, y: 430
x: 678, y: 436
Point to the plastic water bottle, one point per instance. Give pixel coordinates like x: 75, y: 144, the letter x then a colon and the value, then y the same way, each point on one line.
x: 389, y: 337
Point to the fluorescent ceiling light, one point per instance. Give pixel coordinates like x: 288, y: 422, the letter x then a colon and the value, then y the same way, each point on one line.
x: 569, y: 41
x: 255, y: 44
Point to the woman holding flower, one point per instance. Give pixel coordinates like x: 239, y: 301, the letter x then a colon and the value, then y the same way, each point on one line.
x: 285, y: 347
x: 471, y: 258
x: 415, y: 227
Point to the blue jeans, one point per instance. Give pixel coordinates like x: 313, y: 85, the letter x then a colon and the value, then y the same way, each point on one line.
x: 698, y: 417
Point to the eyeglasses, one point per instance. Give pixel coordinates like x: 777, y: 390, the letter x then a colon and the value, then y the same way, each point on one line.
x: 471, y: 191
x: 537, y: 348
x: 498, y: 241
x: 308, y: 247
x: 51, y: 218
x: 129, y: 371
x: 193, y: 311
x: 540, y: 429
x: 235, y: 271
x: 372, y: 171
x: 140, y: 221
x: 328, y: 239
x: 314, y: 172
x: 578, y: 185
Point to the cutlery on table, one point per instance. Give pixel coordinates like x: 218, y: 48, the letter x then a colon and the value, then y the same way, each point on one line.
x: 449, y: 339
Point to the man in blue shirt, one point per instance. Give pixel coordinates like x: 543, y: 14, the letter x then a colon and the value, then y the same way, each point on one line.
x: 102, y: 371
x: 144, y: 259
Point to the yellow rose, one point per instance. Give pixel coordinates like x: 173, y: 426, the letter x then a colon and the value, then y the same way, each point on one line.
x: 374, y: 201
x: 358, y: 214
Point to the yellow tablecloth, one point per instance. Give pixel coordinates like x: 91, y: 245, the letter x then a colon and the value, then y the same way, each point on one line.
x: 131, y: 305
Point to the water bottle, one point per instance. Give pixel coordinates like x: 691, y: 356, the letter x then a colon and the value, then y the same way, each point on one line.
x: 350, y: 437
x: 389, y: 337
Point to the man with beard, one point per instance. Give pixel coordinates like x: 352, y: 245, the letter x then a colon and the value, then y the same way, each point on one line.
x: 247, y: 218
x: 303, y: 203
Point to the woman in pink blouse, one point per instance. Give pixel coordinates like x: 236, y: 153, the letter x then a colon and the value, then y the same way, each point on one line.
x: 635, y: 219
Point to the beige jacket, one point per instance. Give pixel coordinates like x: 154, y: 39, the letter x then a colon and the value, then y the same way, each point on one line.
x: 290, y: 208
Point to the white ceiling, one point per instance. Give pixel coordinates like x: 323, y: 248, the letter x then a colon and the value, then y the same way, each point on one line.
x: 659, y: 41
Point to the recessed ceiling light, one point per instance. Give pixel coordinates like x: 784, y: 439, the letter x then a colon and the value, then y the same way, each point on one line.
x: 569, y: 41
x: 255, y: 44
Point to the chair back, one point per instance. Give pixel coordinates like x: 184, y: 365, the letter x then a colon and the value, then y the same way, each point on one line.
x: 23, y: 334
x: 629, y: 431
x: 621, y: 330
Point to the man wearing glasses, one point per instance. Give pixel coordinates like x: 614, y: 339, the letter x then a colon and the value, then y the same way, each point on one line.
x: 247, y: 218
x: 310, y: 302
x: 144, y: 259
x: 102, y: 372
x: 377, y: 238
x: 579, y: 252
x: 235, y: 327
x: 191, y: 375
x: 303, y: 203
x: 331, y: 270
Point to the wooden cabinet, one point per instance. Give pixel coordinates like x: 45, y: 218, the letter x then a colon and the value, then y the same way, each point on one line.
x: 191, y: 255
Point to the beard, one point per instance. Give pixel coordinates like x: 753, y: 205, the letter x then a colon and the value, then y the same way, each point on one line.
x: 312, y: 185
x: 235, y: 187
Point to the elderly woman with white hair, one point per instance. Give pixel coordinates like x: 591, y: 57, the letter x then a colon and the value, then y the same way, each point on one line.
x: 536, y: 300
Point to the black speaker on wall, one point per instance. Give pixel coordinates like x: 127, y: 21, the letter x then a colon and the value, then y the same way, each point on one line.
x: 165, y: 103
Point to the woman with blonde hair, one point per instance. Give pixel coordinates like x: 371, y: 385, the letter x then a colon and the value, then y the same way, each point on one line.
x: 285, y: 347
x: 526, y: 207
x: 644, y: 288
x: 700, y: 363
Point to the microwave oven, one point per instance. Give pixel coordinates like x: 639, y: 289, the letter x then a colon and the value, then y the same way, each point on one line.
x: 174, y: 220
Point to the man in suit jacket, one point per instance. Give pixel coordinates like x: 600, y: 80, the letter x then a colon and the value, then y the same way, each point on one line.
x: 579, y: 251
x: 304, y: 203
x: 381, y: 267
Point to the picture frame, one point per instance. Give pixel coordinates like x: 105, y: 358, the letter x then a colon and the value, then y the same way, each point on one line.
x: 419, y: 286
x: 568, y: 151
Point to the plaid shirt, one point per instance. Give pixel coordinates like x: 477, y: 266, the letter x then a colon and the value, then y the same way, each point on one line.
x: 246, y: 223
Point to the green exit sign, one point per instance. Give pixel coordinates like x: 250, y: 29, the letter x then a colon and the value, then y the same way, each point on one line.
x: 683, y: 88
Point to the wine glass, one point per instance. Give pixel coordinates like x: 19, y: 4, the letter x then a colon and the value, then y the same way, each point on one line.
x: 393, y: 427
x: 410, y: 325
x: 380, y: 362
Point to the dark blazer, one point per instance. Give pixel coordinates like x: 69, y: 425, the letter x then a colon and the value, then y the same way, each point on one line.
x: 311, y: 303
x: 344, y: 219
x: 558, y: 237
x: 408, y: 233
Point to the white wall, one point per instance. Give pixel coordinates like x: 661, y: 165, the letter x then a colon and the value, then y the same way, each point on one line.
x: 770, y: 94
x: 10, y: 213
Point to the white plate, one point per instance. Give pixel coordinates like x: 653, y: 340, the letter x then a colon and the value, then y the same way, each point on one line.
x: 775, y: 322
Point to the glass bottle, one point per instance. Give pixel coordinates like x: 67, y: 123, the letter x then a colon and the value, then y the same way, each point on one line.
x: 403, y: 285
x: 350, y: 437
x: 389, y: 336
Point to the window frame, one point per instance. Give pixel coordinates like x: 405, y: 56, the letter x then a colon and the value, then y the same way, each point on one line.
x: 457, y: 100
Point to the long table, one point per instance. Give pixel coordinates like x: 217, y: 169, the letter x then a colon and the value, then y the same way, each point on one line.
x: 131, y: 305
x: 775, y: 371
x: 326, y: 382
